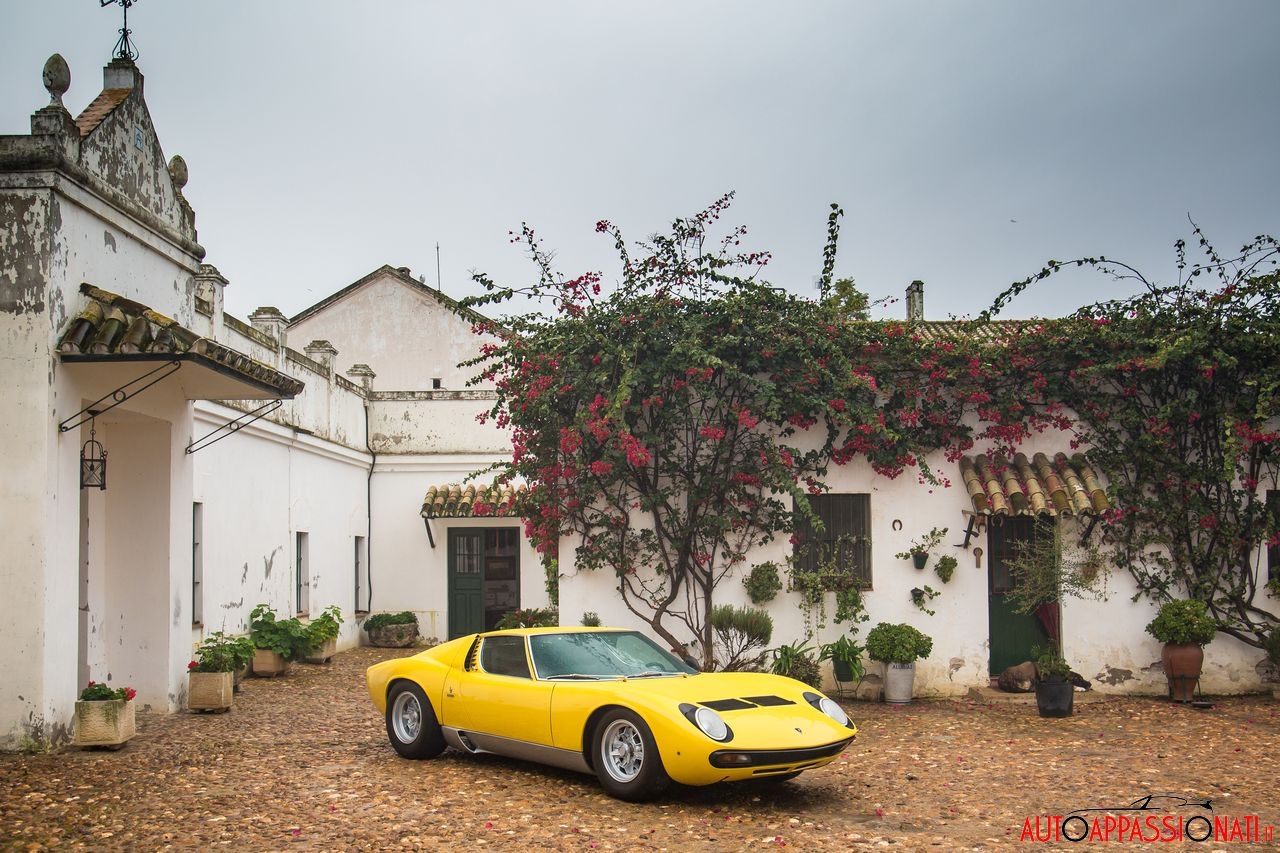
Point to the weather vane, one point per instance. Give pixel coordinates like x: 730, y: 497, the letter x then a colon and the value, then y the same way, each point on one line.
x: 124, y: 50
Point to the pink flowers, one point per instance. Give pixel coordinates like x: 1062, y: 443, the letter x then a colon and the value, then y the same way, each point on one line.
x: 712, y: 433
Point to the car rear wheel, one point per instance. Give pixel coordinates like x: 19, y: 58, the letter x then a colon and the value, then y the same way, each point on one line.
x: 626, y: 757
x: 411, y: 722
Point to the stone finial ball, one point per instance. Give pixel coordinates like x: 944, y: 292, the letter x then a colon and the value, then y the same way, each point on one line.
x: 178, y: 171
x: 57, y: 77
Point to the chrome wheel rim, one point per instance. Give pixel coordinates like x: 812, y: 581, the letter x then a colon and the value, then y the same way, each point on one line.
x: 623, y: 750
x: 406, y: 717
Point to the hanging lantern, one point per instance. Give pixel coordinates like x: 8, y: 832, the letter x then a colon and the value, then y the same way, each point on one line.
x: 93, y: 462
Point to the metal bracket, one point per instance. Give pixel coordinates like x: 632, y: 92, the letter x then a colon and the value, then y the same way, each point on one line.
x: 430, y: 538
x: 235, y: 426
x: 971, y: 529
x: 119, y: 395
x: 1088, y: 531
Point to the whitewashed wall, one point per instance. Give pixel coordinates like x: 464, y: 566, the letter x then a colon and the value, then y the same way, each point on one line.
x: 1105, y: 641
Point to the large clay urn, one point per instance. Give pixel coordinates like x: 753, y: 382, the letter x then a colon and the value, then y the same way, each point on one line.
x: 1182, y: 664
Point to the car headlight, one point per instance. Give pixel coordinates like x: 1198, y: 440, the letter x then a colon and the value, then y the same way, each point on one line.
x: 828, y: 707
x: 708, y: 722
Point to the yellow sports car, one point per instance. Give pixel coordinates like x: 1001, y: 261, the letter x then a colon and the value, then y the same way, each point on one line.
x: 606, y: 701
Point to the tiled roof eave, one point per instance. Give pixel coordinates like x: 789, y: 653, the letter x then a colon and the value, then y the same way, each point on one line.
x: 1064, y: 485
x: 264, y: 378
x: 456, y: 500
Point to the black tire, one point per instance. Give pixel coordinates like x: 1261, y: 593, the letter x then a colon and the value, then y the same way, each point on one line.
x: 411, y: 723
x: 626, y: 758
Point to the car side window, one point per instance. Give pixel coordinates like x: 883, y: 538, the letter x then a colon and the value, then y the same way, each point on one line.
x: 504, y: 656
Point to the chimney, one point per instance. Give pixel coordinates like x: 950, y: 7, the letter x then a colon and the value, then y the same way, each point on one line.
x: 271, y: 322
x: 915, y: 301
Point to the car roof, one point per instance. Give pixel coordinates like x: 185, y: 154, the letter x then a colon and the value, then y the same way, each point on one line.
x: 560, y: 629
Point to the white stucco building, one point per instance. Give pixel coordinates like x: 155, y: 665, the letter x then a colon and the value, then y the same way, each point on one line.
x: 270, y: 461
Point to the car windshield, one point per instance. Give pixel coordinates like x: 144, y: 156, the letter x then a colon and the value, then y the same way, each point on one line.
x: 590, y: 656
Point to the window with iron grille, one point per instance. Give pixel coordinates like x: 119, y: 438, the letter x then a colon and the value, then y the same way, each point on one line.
x: 844, y: 540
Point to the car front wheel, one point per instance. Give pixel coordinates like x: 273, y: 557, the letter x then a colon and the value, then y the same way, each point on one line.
x: 411, y: 722
x: 626, y: 757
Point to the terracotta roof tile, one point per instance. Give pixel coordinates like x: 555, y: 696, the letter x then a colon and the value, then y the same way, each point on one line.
x: 456, y: 500
x: 111, y: 326
x: 1040, y: 485
x: 100, y: 108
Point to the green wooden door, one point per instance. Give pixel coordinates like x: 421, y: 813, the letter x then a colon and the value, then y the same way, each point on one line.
x: 466, y: 582
x: 1012, y: 634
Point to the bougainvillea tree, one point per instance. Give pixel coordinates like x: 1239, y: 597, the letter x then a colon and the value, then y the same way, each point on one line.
x: 1176, y: 394
x: 655, y: 419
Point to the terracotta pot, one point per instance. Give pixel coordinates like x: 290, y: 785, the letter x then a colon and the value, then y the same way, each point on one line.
x: 1182, y: 665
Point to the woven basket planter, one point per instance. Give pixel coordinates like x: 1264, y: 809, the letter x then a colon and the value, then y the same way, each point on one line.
x: 104, y: 722
x: 210, y: 691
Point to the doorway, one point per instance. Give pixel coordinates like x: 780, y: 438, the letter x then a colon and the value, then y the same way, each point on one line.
x: 484, y: 577
x: 1012, y: 634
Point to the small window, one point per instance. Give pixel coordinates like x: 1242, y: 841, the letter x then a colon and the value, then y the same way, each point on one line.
x: 359, y: 560
x: 504, y: 656
x: 197, y: 564
x: 436, y: 384
x: 302, y: 575
x: 844, y: 542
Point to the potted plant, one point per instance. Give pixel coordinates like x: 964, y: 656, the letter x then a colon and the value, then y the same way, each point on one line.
x: 946, y: 567
x: 322, y: 635
x: 1055, y: 694
x: 392, y: 630
x: 105, y: 716
x: 276, y: 641
x: 846, y: 658
x: 918, y: 553
x: 898, y: 646
x: 211, y: 676
x: 1184, y: 626
x: 796, y: 660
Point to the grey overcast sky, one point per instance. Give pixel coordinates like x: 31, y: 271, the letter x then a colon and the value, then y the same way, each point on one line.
x: 967, y: 142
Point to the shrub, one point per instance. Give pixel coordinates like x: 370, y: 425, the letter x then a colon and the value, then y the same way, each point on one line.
x: 534, y: 617
x: 323, y: 628
x: 377, y: 620
x: 796, y: 660
x: 591, y: 619
x: 285, y: 637
x: 1184, y: 620
x: 900, y: 643
x: 220, y: 653
x: 742, y: 634
x: 762, y: 583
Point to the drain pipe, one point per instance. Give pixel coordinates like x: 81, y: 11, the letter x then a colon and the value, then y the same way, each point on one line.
x: 365, y: 375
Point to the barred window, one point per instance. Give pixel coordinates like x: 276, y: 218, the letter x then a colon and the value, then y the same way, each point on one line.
x: 844, y: 542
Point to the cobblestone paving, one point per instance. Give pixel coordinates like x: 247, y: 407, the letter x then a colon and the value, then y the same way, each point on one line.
x: 303, y: 762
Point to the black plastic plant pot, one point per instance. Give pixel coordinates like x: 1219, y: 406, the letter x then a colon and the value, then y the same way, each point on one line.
x: 1055, y: 697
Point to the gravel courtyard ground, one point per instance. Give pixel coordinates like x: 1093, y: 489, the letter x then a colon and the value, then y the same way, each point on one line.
x: 302, y: 762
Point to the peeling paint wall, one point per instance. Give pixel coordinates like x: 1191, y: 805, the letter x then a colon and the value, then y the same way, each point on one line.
x: 435, y: 422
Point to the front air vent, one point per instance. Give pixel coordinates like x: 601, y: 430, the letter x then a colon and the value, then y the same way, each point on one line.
x: 768, y: 701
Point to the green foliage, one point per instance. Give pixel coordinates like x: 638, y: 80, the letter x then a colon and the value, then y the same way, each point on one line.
x: 1273, y: 646
x: 532, y: 617
x: 845, y: 650
x: 829, y: 577
x: 591, y: 619
x: 1049, y: 662
x: 945, y: 567
x: 1184, y: 620
x: 796, y: 660
x: 285, y: 637
x: 1174, y: 392
x: 742, y: 634
x: 323, y: 628
x: 221, y: 653
x: 377, y: 620
x: 850, y: 302
x: 1042, y: 571
x: 922, y: 597
x: 924, y: 544
x: 897, y: 643
x: 762, y: 582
